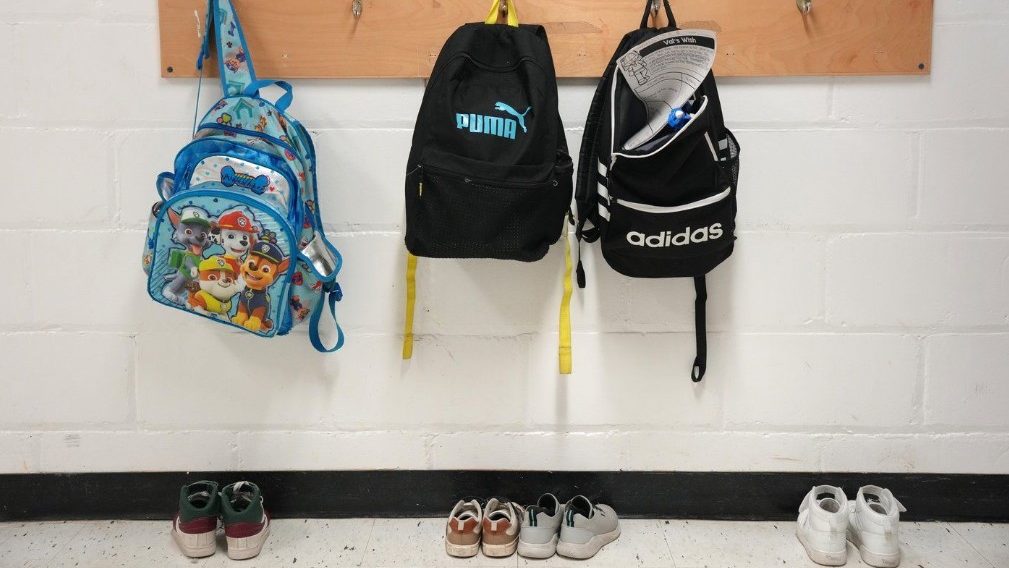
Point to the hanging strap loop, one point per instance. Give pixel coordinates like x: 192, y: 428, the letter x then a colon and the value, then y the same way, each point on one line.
x: 648, y: 9
x: 564, y: 325
x: 495, y: 11
x: 252, y: 90
x: 411, y: 300
x: 233, y: 59
x: 700, y: 329
x: 331, y: 295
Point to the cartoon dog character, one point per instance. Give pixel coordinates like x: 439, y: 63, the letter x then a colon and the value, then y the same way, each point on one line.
x: 236, y: 233
x: 300, y: 311
x: 266, y: 260
x: 218, y: 285
x: 192, y: 230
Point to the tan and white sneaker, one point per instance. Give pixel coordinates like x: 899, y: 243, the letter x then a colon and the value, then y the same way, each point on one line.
x: 462, y: 532
x: 501, y: 525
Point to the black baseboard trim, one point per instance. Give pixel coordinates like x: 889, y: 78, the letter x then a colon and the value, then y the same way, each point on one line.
x: 326, y: 494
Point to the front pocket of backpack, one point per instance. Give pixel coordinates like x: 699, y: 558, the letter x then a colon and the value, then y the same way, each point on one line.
x: 649, y: 241
x: 450, y: 215
x: 244, y: 283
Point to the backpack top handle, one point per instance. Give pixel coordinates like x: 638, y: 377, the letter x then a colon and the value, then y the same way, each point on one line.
x: 233, y: 59
x: 653, y: 7
x: 505, y: 8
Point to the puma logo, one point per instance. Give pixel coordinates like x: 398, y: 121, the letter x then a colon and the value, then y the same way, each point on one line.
x: 493, y: 125
x: 504, y: 107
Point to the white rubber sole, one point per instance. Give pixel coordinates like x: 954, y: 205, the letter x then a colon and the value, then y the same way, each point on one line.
x: 581, y: 551
x: 823, y: 557
x: 544, y: 550
x: 248, y: 547
x: 195, y: 545
x: 499, y: 550
x: 875, y: 559
x: 462, y: 550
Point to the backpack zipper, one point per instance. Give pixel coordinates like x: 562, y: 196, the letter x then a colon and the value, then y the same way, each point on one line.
x: 643, y: 207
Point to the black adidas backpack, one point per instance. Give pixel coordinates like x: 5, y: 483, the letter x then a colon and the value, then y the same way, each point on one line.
x: 489, y: 175
x: 665, y: 209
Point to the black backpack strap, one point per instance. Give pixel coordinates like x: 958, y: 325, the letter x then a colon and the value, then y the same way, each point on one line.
x: 648, y: 8
x: 700, y: 329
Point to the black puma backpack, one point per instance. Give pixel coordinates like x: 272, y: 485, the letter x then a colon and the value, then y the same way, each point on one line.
x: 489, y: 175
x: 665, y: 209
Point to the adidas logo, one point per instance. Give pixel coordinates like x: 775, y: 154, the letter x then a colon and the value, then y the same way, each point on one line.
x: 667, y: 238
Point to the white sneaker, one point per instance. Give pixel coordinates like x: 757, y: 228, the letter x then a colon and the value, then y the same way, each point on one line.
x: 587, y: 527
x: 822, y: 523
x: 540, y: 525
x: 873, y: 526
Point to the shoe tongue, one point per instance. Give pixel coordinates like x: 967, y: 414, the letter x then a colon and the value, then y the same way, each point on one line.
x: 199, y: 499
x: 830, y: 505
x: 582, y: 506
x: 547, y: 504
x: 242, y: 495
x: 499, y: 514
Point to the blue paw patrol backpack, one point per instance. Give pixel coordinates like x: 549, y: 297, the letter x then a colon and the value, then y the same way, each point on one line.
x: 236, y: 236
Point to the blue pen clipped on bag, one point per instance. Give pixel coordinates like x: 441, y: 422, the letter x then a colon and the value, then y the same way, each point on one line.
x: 678, y: 118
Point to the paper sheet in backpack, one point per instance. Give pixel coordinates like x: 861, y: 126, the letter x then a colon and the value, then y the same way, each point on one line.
x: 664, y: 72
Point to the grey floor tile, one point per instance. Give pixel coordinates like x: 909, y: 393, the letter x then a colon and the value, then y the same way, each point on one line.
x: 937, y: 545
x: 127, y: 544
x: 32, y: 545
x: 314, y: 543
x: 418, y: 543
x: 697, y: 544
x: 990, y: 540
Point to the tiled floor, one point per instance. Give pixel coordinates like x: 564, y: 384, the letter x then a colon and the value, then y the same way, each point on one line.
x: 418, y: 542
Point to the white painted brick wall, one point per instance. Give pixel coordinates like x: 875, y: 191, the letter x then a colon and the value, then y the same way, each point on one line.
x: 863, y: 323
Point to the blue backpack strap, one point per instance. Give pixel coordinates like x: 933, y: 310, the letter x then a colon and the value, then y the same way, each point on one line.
x: 331, y: 295
x: 325, y: 262
x: 233, y: 58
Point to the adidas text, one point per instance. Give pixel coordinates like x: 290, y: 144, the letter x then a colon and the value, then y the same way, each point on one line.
x: 668, y: 238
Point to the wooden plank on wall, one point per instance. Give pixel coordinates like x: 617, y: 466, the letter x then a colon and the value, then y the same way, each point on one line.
x: 401, y: 38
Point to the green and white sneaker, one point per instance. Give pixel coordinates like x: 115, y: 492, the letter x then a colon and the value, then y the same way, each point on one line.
x: 587, y: 528
x: 195, y: 525
x: 246, y: 524
x: 540, y: 525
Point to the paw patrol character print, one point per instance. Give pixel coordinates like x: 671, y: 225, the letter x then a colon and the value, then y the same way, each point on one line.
x: 224, y: 119
x: 298, y: 309
x: 192, y: 231
x: 235, y: 61
x: 236, y: 232
x: 220, y: 104
x: 265, y: 262
x: 261, y: 125
x: 219, y: 283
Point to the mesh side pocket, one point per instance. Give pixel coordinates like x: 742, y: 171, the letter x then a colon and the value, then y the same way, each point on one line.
x: 453, y: 216
x: 731, y: 167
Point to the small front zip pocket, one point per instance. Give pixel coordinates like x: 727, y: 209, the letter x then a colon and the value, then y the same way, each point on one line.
x: 643, y: 240
x: 453, y: 215
x: 241, y: 275
x: 242, y: 167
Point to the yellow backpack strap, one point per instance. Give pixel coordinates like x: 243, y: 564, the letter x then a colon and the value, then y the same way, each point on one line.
x: 564, y: 330
x: 411, y: 300
x: 495, y: 9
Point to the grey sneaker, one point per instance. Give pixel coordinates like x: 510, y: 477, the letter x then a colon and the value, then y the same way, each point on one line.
x: 587, y: 528
x: 540, y: 524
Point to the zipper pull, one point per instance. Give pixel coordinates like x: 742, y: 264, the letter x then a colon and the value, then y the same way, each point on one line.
x: 420, y: 189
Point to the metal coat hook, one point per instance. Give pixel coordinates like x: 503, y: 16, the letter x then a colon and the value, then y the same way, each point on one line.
x: 503, y: 10
x: 357, y: 6
x: 804, y: 6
